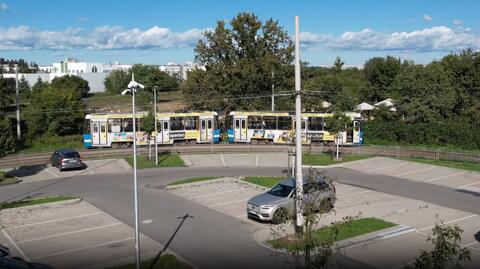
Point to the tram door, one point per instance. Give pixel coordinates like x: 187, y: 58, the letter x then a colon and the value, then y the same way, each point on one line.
x: 206, y: 129
x: 240, y: 129
x: 165, y: 132
x: 99, y: 133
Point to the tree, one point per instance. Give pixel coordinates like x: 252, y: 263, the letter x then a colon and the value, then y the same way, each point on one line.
x: 38, y: 85
x: 309, y: 250
x: 116, y: 81
x: 71, y: 82
x: 24, y: 89
x: 7, y: 92
x: 337, y: 124
x: 380, y: 74
x: 425, y: 94
x: 239, y: 61
x: 338, y: 65
x: 55, y: 111
x: 447, y: 250
x: 7, y: 140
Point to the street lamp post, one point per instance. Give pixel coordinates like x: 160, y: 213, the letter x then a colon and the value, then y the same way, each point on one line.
x: 298, y: 134
x: 132, y: 88
x: 155, y: 117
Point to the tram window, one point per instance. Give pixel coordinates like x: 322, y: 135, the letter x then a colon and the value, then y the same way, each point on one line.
x: 114, y: 125
x: 165, y: 125
x: 102, y: 128
x: 127, y: 125
x: 209, y: 124
x: 176, y: 124
x: 203, y: 124
x: 356, y: 126
x: 191, y: 123
x: 255, y: 122
x: 95, y: 127
x: 269, y: 122
x: 315, y: 123
x: 284, y: 123
x: 237, y: 124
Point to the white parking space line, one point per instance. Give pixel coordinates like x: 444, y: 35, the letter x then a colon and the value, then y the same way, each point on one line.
x: 69, y: 233
x: 83, y: 248
x: 468, y: 185
x: 54, y: 220
x: 387, y: 167
x: 442, y: 177
x: 354, y: 193
x: 52, y: 173
x: 448, y: 222
x: 230, y: 202
x: 15, y: 245
x: 91, y: 171
x: 415, y: 171
x: 214, y: 194
x: 223, y: 160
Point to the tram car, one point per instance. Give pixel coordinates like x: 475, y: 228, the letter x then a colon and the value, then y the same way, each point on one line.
x: 116, y: 129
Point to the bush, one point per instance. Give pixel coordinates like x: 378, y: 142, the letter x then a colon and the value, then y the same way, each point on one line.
x: 459, y: 134
x: 7, y: 140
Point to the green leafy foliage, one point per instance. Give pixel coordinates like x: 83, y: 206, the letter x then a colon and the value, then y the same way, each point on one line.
x: 447, y: 249
x: 73, y: 83
x: 242, y: 59
x: 7, y: 140
x: 55, y: 110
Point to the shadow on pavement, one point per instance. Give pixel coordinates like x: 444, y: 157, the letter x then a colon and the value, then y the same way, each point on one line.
x: 25, y: 171
x: 474, y: 193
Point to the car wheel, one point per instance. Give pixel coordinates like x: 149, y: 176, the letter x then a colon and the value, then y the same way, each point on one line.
x: 279, y: 216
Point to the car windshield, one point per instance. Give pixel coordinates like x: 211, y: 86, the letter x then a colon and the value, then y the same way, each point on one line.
x: 71, y: 155
x: 280, y: 190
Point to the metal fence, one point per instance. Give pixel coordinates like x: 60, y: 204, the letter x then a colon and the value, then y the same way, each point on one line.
x: 16, y: 160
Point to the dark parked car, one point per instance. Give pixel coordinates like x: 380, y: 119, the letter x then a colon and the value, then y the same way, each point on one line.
x: 67, y: 159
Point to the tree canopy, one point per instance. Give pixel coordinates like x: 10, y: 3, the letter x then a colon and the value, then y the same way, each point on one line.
x: 70, y: 82
x: 242, y: 60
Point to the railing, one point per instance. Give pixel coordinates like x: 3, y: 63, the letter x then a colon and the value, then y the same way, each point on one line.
x: 16, y: 160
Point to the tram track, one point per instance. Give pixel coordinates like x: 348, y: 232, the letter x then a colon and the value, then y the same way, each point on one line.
x: 17, y: 160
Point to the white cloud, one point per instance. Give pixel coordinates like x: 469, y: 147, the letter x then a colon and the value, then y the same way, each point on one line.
x: 82, y: 19
x: 457, y: 22
x: 3, y: 7
x: 427, y: 17
x: 100, y: 38
x: 439, y: 38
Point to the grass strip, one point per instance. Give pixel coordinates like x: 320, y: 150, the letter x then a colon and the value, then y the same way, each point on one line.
x: 450, y: 164
x: 326, y: 159
x: 36, y: 201
x: 264, y: 181
x: 191, y: 180
x: 355, y: 228
x: 164, y: 262
x: 164, y: 160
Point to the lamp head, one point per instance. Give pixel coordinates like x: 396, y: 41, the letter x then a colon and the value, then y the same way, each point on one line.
x: 127, y: 91
x: 134, y: 84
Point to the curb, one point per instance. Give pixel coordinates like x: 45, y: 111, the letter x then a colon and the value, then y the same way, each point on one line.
x: 45, y: 205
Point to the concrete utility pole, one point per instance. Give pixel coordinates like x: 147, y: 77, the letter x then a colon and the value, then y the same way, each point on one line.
x: 298, y: 133
x: 273, y: 91
x: 17, y: 97
x: 155, y: 117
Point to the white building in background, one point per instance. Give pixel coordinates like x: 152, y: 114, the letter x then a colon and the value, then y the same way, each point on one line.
x: 73, y: 67
x: 116, y: 66
x: 180, y: 70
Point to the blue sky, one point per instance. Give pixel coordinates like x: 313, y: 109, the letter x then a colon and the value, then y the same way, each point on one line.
x: 166, y: 31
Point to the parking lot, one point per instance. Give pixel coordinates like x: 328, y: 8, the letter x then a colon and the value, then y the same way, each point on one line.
x: 432, y: 174
x: 46, y: 172
x: 230, y: 195
x: 70, y: 234
x: 237, y: 160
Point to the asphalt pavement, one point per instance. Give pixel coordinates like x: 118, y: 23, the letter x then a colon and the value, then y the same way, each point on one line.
x: 211, y: 239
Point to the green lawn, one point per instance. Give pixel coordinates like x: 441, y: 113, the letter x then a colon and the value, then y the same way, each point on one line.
x: 355, y: 228
x: 36, y: 201
x: 164, y: 160
x: 191, y: 180
x: 165, y: 261
x: 264, y: 181
x: 326, y: 159
x: 51, y: 143
x: 457, y: 165
x: 6, y: 180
